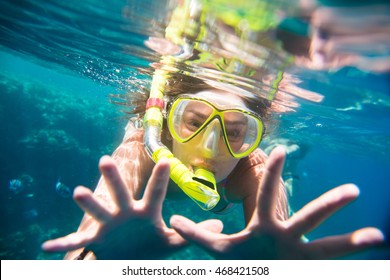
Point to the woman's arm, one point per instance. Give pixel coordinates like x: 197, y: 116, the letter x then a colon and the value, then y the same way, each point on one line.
x: 129, y: 157
x: 266, y: 237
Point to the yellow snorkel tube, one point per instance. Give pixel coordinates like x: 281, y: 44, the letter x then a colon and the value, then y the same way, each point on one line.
x: 199, y: 186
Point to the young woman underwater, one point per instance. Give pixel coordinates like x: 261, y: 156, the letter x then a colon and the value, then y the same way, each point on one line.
x: 218, y: 131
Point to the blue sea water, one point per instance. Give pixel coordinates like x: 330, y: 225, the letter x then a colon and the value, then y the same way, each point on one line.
x: 59, y: 64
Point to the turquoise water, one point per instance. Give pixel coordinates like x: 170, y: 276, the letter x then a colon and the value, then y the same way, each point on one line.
x: 59, y: 64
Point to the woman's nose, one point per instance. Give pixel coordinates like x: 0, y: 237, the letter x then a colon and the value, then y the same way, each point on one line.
x: 211, y: 138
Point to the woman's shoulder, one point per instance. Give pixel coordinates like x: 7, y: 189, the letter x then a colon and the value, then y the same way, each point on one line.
x: 248, y: 170
x: 257, y: 158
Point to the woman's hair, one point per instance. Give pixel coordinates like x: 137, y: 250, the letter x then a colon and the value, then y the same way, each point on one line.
x: 177, y: 84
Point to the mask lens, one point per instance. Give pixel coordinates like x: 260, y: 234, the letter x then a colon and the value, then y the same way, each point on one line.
x: 187, y: 118
x: 243, y: 132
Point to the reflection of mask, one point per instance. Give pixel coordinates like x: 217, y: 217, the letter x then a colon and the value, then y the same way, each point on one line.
x: 192, y: 115
x: 210, y: 139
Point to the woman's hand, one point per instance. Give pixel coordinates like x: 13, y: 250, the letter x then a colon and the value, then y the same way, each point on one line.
x: 265, y: 237
x: 135, y: 228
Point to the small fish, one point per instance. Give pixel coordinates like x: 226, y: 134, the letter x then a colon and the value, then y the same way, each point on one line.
x: 63, y: 190
x: 15, y: 186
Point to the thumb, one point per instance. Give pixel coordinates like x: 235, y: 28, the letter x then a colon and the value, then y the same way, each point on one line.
x: 213, y: 225
x: 204, y: 234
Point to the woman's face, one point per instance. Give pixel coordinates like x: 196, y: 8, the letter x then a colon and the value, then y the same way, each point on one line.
x: 208, y: 149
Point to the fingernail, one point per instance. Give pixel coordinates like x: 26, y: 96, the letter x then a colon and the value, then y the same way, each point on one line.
x: 368, y: 236
x: 353, y: 189
x: 45, y: 246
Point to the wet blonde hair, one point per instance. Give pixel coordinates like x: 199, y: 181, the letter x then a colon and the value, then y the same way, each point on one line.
x: 177, y: 84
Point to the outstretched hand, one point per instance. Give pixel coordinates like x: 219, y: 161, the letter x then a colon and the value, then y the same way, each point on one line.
x: 265, y: 237
x: 135, y: 228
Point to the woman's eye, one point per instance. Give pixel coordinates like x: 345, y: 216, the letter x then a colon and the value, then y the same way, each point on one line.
x: 193, y: 124
x: 233, y: 134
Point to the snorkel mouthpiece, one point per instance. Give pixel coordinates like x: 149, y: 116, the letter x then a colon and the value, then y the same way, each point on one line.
x: 199, y: 186
x: 207, y: 185
x: 206, y: 177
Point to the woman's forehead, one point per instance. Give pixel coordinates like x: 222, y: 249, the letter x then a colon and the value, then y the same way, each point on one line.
x: 221, y: 98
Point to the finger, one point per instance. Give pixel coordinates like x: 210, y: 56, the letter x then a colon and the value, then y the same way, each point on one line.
x: 69, y: 242
x: 176, y: 240
x: 118, y: 190
x: 157, y: 187
x: 85, y: 199
x: 340, y: 245
x: 195, y: 233
x: 213, y: 225
x: 269, y: 186
x: 315, y: 212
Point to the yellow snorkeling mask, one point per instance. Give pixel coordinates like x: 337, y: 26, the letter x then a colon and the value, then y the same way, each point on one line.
x: 190, y: 115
